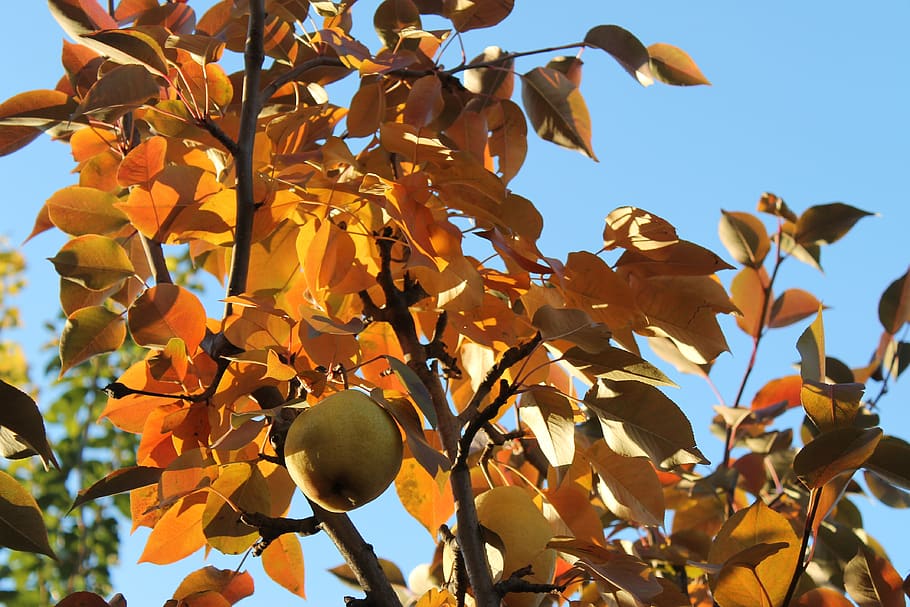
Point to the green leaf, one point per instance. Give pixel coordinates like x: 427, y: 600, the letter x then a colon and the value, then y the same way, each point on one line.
x: 557, y: 110
x: 827, y: 223
x: 894, y: 305
x: 872, y: 581
x: 811, y: 347
x: 623, y: 46
x: 833, y: 453
x: 95, y: 262
x: 119, y: 481
x: 672, y: 65
x: 22, y: 427
x: 21, y: 523
x: 744, y: 236
x: 639, y: 420
x: 416, y: 388
x: 551, y: 418
x: 88, y: 332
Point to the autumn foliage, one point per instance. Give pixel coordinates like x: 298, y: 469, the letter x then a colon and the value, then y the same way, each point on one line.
x: 372, y: 243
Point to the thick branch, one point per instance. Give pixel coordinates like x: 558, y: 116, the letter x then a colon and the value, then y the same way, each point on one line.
x: 215, y: 131
x: 254, y: 55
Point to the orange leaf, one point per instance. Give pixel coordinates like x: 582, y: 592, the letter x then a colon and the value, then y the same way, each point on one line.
x: 166, y: 311
x: 780, y: 390
x: 872, y: 581
x: 177, y: 534
x: 672, y: 65
x: 283, y: 562
x: 79, y: 210
x: 240, y: 487
x: 427, y: 499
x: 557, y: 110
x: 231, y: 585
x: 628, y: 50
x: 822, y: 597
x: 143, y: 162
x: 792, y: 306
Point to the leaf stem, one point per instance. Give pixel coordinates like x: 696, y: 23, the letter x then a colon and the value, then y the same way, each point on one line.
x: 509, y: 57
x: 814, y: 501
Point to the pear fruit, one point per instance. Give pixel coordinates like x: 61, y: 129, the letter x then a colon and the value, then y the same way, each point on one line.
x: 523, y: 531
x: 344, y: 451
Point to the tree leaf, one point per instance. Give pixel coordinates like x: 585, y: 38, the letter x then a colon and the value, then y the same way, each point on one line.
x: 834, y: 452
x: 745, y: 237
x: 891, y: 461
x: 25, y: 116
x: 672, y: 65
x: 88, y: 332
x: 78, y: 17
x: 166, y: 311
x: 826, y: 223
x: 633, y: 228
x: 121, y: 90
x: 20, y: 417
x: 129, y: 47
x: 615, y: 364
x: 78, y: 211
x: 781, y: 390
x: 282, y: 561
x: 496, y: 81
x: 748, y: 291
x: 831, y: 405
x: 95, y: 262
x: 83, y: 599
x: 738, y: 583
x: 427, y: 498
x: 178, y: 533
x: 21, y: 523
x: 628, y: 485
x: 872, y: 581
x: 822, y: 597
x: 231, y: 585
x: 245, y: 488
x: 557, y: 110
x: 811, y: 347
x: 416, y: 388
x: 467, y: 15
x: 638, y: 420
x: 894, y: 305
x: 623, y: 46
x: 885, y: 492
x: 118, y: 481
x: 792, y: 306
x: 750, y: 527
x: 551, y: 418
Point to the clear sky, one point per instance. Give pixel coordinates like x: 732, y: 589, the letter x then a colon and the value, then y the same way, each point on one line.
x: 809, y: 101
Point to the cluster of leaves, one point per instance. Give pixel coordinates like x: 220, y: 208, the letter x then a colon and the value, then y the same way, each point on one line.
x: 342, y: 233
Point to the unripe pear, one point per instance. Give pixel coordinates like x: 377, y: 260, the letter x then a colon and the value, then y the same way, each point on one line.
x: 343, y: 451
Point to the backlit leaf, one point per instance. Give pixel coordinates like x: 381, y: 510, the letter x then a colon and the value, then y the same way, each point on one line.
x: 78, y: 17
x: 634, y: 228
x: 429, y: 500
x: 792, y: 306
x: 391, y: 17
x: 23, y: 426
x: 282, y: 561
x: 469, y: 15
x: 831, y: 405
x: 628, y: 485
x: 95, y: 262
x: 90, y: 331
x: 639, y: 420
x: 166, y: 311
x: 21, y: 523
x: 25, y: 116
x: 415, y: 387
x: 759, y: 525
x: 745, y: 237
x: 571, y: 325
x: 628, y: 50
x: 811, y: 347
x: 827, y: 223
x: 891, y: 461
x: 231, y: 585
x: 774, y: 205
x: 557, y: 110
x: 872, y: 581
x: 129, y: 47
x: 894, y: 305
x: 834, y: 452
x: 672, y: 65
x: 748, y: 291
x: 497, y: 80
x: 508, y: 137
x: 367, y: 109
x: 738, y: 583
x: 118, y: 481
x: 781, y: 390
x: 885, y: 492
x: 822, y: 597
x: 121, y: 90
x: 617, y: 365
x: 78, y: 210
x: 551, y: 418
x: 247, y: 491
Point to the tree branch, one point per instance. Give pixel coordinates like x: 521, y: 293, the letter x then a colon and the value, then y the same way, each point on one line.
x: 296, y: 71
x: 271, y: 528
x: 155, y: 255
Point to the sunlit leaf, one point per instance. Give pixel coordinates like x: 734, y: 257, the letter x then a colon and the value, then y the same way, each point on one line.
x: 831, y: 405
x: 416, y: 388
x: 745, y: 237
x: 628, y: 485
x: 121, y: 90
x: 78, y: 17
x: 872, y: 581
x: 231, y: 585
x: 792, y: 306
x: 23, y: 427
x: 639, y: 420
x: 177, y: 534
x: 391, y: 17
x: 79, y: 210
x: 834, y: 452
x: 166, y: 311
x: 25, y: 116
x: 429, y: 500
x: 617, y: 365
x: 88, y: 332
x: 781, y: 390
x: 551, y: 418
x: 557, y: 110
x: 822, y: 597
x: 239, y: 487
x: 571, y: 325
x: 826, y: 223
x: 628, y: 50
x: 748, y: 292
x: 811, y: 347
x: 634, y: 228
x: 129, y: 47
x: 496, y: 80
x: 672, y: 65
x: 282, y: 561
x: 95, y: 262
x: 21, y: 523
x: 469, y: 15
x: 367, y: 109
x: 774, y: 205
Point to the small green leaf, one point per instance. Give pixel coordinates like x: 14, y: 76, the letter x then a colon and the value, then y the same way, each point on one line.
x: 21, y: 523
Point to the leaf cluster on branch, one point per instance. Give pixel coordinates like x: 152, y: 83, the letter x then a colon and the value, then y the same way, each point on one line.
x: 375, y: 245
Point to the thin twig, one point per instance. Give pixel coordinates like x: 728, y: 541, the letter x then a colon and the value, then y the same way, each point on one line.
x: 814, y: 501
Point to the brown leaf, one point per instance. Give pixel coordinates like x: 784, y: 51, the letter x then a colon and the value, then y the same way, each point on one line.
x: 894, y: 305
x: 834, y: 452
x: 118, y: 481
x: 469, y: 15
x: 672, y: 65
x: 78, y: 17
x: 628, y: 485
x: 633, y: 228
x: 745, y: 237
x: 22, y: 427
x: 129, y: 47
x: 25, y: 116
x: 88, y: 332
x: 83, y: 599
x: 391, y: 17
x: 822, y: 597
x: 774, y: 205
x: 811, y: 347
x: 792, y: 306
x: 551, y: 418
x: 891, y: 461
x: 231, y: 585
x: 557, y: 110
x: 872, y: 581
x: 121, y: 90
x: 826, y: 223
x: 367, y: 109
x: 831, y: 405
x: 615, y: 364
x: 496, y: 81
x: 628, y: 50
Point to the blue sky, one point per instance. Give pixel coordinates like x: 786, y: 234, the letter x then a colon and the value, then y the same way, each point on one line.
x: 809, y: 101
